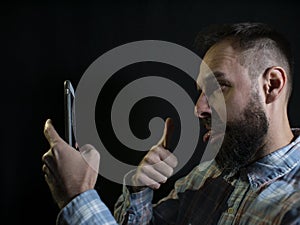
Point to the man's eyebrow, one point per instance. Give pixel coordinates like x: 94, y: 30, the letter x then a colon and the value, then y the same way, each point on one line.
x: 211, y: 78
x: 215, y: 75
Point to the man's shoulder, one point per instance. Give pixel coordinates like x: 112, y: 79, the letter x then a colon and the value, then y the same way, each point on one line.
x: 293, y: 176
x: 198, y: 175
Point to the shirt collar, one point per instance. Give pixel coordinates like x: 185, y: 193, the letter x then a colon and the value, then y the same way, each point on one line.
x: 275, y: 165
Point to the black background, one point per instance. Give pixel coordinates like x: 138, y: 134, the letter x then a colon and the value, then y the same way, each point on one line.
x: 43, y: 44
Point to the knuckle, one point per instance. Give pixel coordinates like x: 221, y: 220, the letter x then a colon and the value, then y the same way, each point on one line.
x: 54, y: 150
x: 156, y: 150
x: 159, y: 148
x: 44, y: 168
x: 147, y: 159
x: 58, y: 148
x: 150, y: 158
x: 143, y: 169
x: 46, y: 156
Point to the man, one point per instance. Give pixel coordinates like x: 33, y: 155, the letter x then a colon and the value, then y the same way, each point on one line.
x: 255, y: 177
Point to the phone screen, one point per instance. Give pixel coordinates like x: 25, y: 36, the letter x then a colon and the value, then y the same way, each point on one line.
x: 69, y: 110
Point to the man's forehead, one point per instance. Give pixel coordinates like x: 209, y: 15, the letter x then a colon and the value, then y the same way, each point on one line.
x: 220, y: 55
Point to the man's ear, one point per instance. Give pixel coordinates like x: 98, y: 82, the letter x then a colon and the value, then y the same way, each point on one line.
x: 274, y: 82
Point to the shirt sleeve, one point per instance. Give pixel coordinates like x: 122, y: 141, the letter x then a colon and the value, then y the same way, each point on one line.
x: 86, y: 208
x: 134, y: 208
x: 137, y: 208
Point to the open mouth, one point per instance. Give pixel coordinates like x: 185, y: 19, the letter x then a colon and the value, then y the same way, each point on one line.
x: 206, y: 136
x: 211, y: 136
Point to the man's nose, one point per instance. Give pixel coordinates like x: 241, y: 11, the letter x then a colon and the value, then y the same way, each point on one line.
x: 202, y: 108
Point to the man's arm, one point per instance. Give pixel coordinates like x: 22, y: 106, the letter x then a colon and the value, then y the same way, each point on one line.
x: 85, y: 209
x: 71, y: 176
x: 70, y: 173
x: 135, y: 206
x: 167, y: 209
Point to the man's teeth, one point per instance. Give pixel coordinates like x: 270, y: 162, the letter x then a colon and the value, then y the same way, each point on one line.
x: 206, y: 136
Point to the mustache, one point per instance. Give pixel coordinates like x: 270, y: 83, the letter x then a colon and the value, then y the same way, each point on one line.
x: 206, y: 122
x: 217, y: 123
x: 214, y: 119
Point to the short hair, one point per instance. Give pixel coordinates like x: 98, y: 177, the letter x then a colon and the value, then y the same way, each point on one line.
x: 261, y: 43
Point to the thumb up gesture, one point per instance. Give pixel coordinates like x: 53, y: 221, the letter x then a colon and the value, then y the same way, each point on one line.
x: 159, y: 163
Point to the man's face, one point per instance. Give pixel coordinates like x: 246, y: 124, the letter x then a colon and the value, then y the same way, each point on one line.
x: 246, y: 123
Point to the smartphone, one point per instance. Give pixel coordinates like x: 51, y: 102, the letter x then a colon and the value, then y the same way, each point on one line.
x: 69, y: 111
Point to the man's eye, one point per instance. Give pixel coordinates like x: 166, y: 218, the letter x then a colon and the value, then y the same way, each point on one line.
x: 224, y: 85
x: 211, y: 89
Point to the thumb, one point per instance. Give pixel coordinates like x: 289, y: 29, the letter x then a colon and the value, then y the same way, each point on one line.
x: 167, y: 135
x: 51, y: 134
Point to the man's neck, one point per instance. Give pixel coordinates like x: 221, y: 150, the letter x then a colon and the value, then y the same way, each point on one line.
x: 279, y: 135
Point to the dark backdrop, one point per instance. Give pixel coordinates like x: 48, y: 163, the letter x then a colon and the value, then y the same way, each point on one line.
x: 43, y: 44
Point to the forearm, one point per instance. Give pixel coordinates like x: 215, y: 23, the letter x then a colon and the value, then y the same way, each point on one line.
x: 87, y: 208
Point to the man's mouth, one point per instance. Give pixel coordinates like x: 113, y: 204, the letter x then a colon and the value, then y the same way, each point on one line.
x: 211, y: 136
x: 206, y: 136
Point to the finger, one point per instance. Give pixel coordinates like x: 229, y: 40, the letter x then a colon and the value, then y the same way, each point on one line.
x: 167, y: 157
x: 51, y: 134
x: 91, y: 156
x: 153, y: 174
x: 168, y: 132
x: 156, y: 158
x: 164, y: 169
x: 49, y: 162
x: 144, y: 180
x: 48, y: 175
x: 45, y: 169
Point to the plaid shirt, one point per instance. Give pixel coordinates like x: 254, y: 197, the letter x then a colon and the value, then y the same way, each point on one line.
x: 266, y: 192
x: 86, y: 209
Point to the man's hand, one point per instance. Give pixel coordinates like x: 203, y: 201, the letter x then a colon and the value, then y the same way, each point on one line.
x: 158, y: 165
x: 68, y: 172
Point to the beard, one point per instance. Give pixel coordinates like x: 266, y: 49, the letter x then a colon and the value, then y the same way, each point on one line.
x: 243, y: 138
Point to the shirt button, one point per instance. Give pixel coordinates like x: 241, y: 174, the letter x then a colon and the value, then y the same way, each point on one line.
x: 230, y: 210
